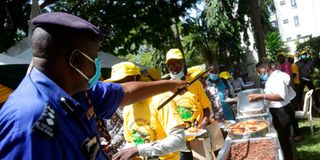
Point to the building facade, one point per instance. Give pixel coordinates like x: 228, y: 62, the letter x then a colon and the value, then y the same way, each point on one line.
x: 297, y: 20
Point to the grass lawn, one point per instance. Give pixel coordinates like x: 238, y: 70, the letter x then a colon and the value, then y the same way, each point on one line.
x: 309, y: 147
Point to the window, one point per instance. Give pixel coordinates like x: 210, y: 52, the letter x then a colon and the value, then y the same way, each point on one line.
x: 285, y: 21
x: 293, y: 3
x: 274, y: 24
x: 289, y: 38
x: 296, y: 21
x: 282, y: 3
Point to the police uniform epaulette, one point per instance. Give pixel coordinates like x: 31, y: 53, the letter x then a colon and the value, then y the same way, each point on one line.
x: 47, y: 124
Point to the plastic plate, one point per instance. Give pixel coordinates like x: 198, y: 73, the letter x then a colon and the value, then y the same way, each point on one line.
x: 195, y: 134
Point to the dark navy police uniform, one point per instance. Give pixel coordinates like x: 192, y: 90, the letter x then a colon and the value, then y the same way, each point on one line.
x: 41, y: 121
x: 34, y: 123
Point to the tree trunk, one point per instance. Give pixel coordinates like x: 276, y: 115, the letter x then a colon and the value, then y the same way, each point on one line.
x: 207, y: 53
x: 46, y: 3
x: 176, y: 33
x: 259, y: 34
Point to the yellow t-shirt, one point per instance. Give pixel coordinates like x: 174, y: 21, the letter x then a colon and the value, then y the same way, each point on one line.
x: 143, y: 123
x: 295, y: 69
x: 191, y: 104
x: 4, y: 93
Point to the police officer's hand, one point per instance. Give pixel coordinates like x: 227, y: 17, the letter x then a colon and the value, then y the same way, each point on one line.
x: 125, y: 154
x: 180, y: 85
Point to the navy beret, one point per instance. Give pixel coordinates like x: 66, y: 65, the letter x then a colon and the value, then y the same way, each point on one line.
x: 68, y: 22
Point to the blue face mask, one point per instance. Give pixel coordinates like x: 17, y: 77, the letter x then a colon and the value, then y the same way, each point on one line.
x: 177, y: 76
x: 95, y: 78
x: 304, y: 57
x: 264, y: 76
x: 213, y: 77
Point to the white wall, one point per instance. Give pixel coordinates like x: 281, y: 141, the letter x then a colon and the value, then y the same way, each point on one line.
x: 308, y: 12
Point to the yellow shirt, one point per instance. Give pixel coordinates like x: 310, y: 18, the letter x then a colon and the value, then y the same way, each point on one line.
x: 191, y: 104
x: 4, y: 93
x: 295, y: 69
x: 143, y: 123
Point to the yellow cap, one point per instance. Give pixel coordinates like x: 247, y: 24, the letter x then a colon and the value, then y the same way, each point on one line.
x: 282, y: 53
x: 123, y: 70
x: 303, y: 52
x: 194, y: 71
x: 153, y: 72
x: 291, y: 56
x: 225, y: 75
x: 173, y: 54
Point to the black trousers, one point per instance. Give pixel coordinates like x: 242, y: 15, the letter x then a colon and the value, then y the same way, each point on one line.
x: 293, y: 121
x: 296, y: 102
x: 281, y: 122
x: 310, y: 86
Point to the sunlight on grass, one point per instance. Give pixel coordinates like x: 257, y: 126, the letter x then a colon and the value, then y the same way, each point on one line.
x: 309, y: 147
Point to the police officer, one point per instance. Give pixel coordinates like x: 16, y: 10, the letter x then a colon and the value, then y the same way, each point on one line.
x: 51, y: 115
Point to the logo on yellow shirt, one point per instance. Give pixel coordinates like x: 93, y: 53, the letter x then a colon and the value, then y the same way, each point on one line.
x: 187, y: 110
x: 142, y: 133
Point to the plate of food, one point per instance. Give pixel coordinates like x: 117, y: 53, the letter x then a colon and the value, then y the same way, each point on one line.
x: 254, y: 128
x: 226, y: 123
x: 194, y: 132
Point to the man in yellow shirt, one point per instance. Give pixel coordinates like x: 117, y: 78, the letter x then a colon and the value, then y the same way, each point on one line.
x: 193, y: 106
x: 149, y: 132
x: 295, y: 80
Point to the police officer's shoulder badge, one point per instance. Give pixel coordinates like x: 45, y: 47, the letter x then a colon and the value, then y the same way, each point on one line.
x: 47, y: 125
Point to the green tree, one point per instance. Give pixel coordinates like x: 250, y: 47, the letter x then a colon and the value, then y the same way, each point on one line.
x: 222, y: 27
x: 274, y: 44
x: 14, y: 16
x: 312, y: 46
x: 129, y: 24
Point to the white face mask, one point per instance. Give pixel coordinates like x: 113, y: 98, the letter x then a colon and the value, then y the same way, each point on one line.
x: 177, y: 76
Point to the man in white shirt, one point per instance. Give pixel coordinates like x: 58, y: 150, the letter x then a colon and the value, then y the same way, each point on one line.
x: 279, y: 94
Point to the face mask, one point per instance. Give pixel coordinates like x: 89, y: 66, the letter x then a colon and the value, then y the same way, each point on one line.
x: 177, y: 76
x: 304, y: 57
x: 213, y: 77
x: 264, y: 76
x: 95, y: 78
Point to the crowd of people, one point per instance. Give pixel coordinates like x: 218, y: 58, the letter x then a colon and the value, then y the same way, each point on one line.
x: 62, y: 111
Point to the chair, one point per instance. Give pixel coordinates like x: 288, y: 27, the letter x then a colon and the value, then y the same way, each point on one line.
x: 307, y: 108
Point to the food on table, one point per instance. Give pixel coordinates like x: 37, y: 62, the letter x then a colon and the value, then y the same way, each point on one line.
x: 193, y: 130
x: 252, y: 150
x: 248, y: 126
x: 228, y: 123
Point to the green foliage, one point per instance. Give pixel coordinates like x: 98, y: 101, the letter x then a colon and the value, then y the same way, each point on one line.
x: 208, y: 37
x: 129, y: 24
x: 14, y: 16
x: 213, y: 36
x: 274, y: 45
x: 309, y: 146
x: 312, y: 46
x: 144, y: 59
x: 223, y: 20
